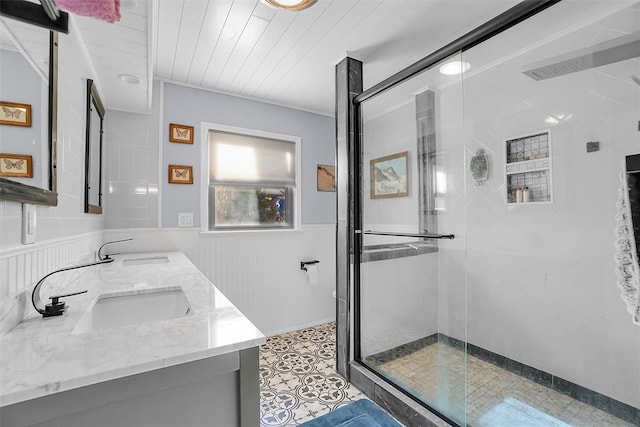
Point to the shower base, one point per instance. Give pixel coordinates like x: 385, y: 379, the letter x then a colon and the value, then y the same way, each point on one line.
x: 436, y: 371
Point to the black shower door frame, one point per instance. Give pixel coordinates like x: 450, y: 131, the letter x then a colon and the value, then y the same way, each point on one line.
x: 491, y: 28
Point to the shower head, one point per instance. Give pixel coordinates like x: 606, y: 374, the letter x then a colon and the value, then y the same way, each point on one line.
x: 614, y: 50
x: 636, y: 79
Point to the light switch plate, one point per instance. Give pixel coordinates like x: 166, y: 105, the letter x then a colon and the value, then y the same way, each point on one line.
x: 28, y: 224
x: 185, y: 219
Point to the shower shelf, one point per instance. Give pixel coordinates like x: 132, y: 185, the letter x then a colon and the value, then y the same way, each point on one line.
x: 528, y: 164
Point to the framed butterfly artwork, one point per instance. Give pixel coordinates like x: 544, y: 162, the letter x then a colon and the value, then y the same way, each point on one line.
x: 12, y: 113
x: 179, y: 174
x: 180, y: 133
x: 18, y: 165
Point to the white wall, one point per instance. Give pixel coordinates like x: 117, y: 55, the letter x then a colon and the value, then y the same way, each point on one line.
x: 398, y: 296
x: 189, y: 106
x: 65, y: 234
x: 452, y: 282
x: 399, y: 302
x: 540, y: 279
x: 535, y: 283
x: 258, y: 271
x: 132, y: 150
x: 385, y: 133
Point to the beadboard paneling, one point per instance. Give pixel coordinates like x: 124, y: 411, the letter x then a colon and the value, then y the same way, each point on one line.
x: 258, y: 271
x: 22, y: 267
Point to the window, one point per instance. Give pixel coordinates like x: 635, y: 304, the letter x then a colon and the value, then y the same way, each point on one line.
x: 252, y: 181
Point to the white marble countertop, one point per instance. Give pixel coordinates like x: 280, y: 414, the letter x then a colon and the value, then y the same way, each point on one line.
x: 42, y: 356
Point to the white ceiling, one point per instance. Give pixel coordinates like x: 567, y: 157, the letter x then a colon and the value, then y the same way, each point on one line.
x: 124, y: 47
x: 245, y: 48
x: 576, y: 24
x: 121, y: 48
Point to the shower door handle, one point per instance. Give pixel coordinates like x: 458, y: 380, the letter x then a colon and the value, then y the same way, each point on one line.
x: 417, y: 235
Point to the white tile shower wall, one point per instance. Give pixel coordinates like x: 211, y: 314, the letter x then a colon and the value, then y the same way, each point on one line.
x: 132, y: 150
x: 540, y: 281
x: 21, y: 268
x: 386, y: 133
x: 452, y: 288
x: 399, y: 301
x: 68, y: 218
x: 258, y: 271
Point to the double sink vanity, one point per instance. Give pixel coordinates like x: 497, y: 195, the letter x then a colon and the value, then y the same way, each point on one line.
x: 151, y: 343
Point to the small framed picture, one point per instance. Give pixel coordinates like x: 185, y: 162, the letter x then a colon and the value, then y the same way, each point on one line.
x: 389, y: 176
x: 180, y: 133
x: 179, y: 174
x: 18, y: 165
x: 326, y: 180
x: 12, y: 113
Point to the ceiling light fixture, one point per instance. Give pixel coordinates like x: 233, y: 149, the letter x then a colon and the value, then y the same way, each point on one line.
x: 454, y: 68
x: 129, y: 78
x: 292, y: 5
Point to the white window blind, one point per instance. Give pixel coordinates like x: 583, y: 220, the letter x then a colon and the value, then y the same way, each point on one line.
x: 249, y: 159
x: 252, y: 181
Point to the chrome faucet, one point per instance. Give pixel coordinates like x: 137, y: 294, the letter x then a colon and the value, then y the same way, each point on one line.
x: 108, y: 256
x: 56, y: 307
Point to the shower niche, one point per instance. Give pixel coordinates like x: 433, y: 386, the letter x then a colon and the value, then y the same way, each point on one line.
x: 528, y: 168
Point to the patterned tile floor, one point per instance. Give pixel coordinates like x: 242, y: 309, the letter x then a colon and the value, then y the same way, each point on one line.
x: 298, y: 379
x: 495, y: 397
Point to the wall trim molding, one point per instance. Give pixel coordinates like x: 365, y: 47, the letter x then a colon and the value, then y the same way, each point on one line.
x: 23, y: 249
x: 196, y: 230
x: 258, y: 272
x: 248, y: 98
x: 24, y: 265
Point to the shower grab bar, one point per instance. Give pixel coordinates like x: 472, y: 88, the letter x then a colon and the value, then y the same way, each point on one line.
x: 423, y: 236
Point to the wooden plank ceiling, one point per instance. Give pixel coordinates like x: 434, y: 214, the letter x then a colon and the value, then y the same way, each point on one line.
x: 245, y: 48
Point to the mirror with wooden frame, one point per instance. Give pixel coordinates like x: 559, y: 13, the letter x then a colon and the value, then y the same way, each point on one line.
x: 93, y: 153
x: 23, y: 33
x: 37, y: 139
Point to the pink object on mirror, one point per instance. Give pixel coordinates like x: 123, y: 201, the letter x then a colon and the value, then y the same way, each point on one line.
x: 106, y: 10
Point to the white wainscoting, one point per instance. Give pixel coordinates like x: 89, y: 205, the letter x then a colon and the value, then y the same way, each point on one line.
x: 258, y: 271
x: 23, y: 266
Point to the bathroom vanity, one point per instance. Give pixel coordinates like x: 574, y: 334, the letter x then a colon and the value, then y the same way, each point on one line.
x: 152, y: 343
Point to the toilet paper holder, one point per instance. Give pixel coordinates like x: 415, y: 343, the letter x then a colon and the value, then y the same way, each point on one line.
x: 303, y: 264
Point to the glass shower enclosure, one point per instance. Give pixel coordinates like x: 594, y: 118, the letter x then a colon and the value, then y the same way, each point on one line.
x: 495, y: 261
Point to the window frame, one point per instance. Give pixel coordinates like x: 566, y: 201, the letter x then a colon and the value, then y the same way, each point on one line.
x: 205, y: 204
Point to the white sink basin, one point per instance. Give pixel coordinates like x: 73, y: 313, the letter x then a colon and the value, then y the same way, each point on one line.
x: 147, y: 260
x: 134, y: 307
